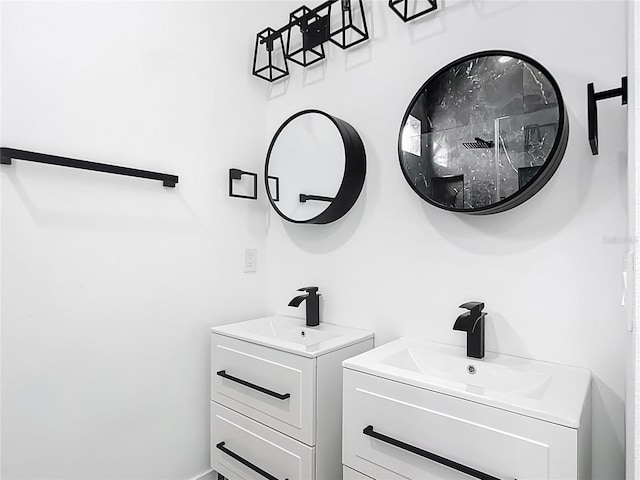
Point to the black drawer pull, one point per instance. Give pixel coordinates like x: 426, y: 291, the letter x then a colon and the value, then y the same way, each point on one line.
x: 281, y: 396
x: 246, y: 463
x: 431, y: 456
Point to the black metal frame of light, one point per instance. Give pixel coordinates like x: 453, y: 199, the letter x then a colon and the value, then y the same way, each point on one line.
x: 280, y: 72
x: 592, y: 108
x: 7, y: 154
x: 540, y: 178
x: 355, y: 169
x: 403, y: 12
x: 315, y: 29
x: 236, y: 174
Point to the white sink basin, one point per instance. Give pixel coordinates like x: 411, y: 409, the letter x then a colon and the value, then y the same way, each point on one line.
x: 548, y: 391
x: 290, y: 334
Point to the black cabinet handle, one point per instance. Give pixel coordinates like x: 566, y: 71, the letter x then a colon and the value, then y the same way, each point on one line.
x: 431, y: 456
x: 281, y: 396
x: 245, y: 462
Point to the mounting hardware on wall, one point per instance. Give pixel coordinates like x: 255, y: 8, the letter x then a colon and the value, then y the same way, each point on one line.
x: 419, y: 8
x: 307, y: 31
x: 236, y: 174
x: 592, y: 108
x: 7, y: 154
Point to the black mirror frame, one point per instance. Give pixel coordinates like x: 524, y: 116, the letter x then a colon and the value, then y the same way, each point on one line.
x: 355, y: 169
x: 542, y: 176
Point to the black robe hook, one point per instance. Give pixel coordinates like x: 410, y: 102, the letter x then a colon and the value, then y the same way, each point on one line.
x: 592, y: 108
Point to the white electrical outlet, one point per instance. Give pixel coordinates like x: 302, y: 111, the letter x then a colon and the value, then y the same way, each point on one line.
x: 250, y: 260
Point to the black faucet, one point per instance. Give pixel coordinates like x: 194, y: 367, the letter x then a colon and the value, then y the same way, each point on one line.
x: 472, y: 322
x: 313, y: 304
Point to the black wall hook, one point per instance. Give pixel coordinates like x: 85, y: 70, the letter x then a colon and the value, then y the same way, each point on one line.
x: 236, y: 174
x: 592, y: 108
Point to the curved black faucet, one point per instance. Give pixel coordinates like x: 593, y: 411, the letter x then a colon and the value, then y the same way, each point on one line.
x: 313, y: 304
x: 472, y: 322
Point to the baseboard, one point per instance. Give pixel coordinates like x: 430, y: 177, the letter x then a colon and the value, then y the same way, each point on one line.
x: 208, y: 475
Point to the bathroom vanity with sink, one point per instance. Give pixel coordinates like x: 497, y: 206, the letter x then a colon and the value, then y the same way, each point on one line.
x: 423, y: 410
x: 276, y: 397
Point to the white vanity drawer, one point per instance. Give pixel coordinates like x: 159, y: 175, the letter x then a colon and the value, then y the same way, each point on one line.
x: 237, y: 441
x: 351, y: 474
x: 273, y: 387
x: 501, y: 444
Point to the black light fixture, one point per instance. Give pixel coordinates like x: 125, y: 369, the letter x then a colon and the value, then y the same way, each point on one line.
x: 270, y: 55
x: 408, y: 10
x: 307, y: 31
x: 305, y: 45
x: 350, y: 32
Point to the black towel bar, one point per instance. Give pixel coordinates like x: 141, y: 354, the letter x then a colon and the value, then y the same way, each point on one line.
x: 7, y: 154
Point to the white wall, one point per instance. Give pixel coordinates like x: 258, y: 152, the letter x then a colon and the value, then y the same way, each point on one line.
x: 110, y: 284
x: 632, y: 404
x: 550, y: 279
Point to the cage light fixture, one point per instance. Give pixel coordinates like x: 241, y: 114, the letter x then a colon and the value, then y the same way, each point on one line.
x: 409, y: 10
x: 269, y: 59
x: 353, y: 26
x: 305, y: 45
x: 307, y: 32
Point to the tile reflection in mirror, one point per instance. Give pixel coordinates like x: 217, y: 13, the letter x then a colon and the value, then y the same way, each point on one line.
x: 487, y: 120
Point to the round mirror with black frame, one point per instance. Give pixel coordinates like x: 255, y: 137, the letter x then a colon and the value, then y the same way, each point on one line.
x: 484, y: 134
x: 315, y: 168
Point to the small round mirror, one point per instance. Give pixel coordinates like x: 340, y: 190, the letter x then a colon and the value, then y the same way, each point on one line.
x: 484, y: 134
x: 315, y: 168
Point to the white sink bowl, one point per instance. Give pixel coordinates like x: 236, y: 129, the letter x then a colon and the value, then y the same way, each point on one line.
x: 551, y: 392
x: 290, y: 334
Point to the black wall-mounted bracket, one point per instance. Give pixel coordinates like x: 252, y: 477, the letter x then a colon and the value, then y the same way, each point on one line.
x: 236, y: 174
x: 7, y: 154
x: 592, y: 108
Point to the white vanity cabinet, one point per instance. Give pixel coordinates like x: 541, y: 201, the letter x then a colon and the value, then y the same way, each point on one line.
x: 395, y: 428
x: 276, y: 406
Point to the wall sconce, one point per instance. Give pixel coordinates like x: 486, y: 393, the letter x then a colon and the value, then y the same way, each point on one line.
x: 313, y: 32
x: 236, y: 174
x: 350, y: 33
x: 305, y: 44
x: 272, y: 60
x: 408, y: 10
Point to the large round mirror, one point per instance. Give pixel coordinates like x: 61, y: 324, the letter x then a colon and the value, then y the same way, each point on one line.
x: 484, y: 133
x: 315, y: 168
